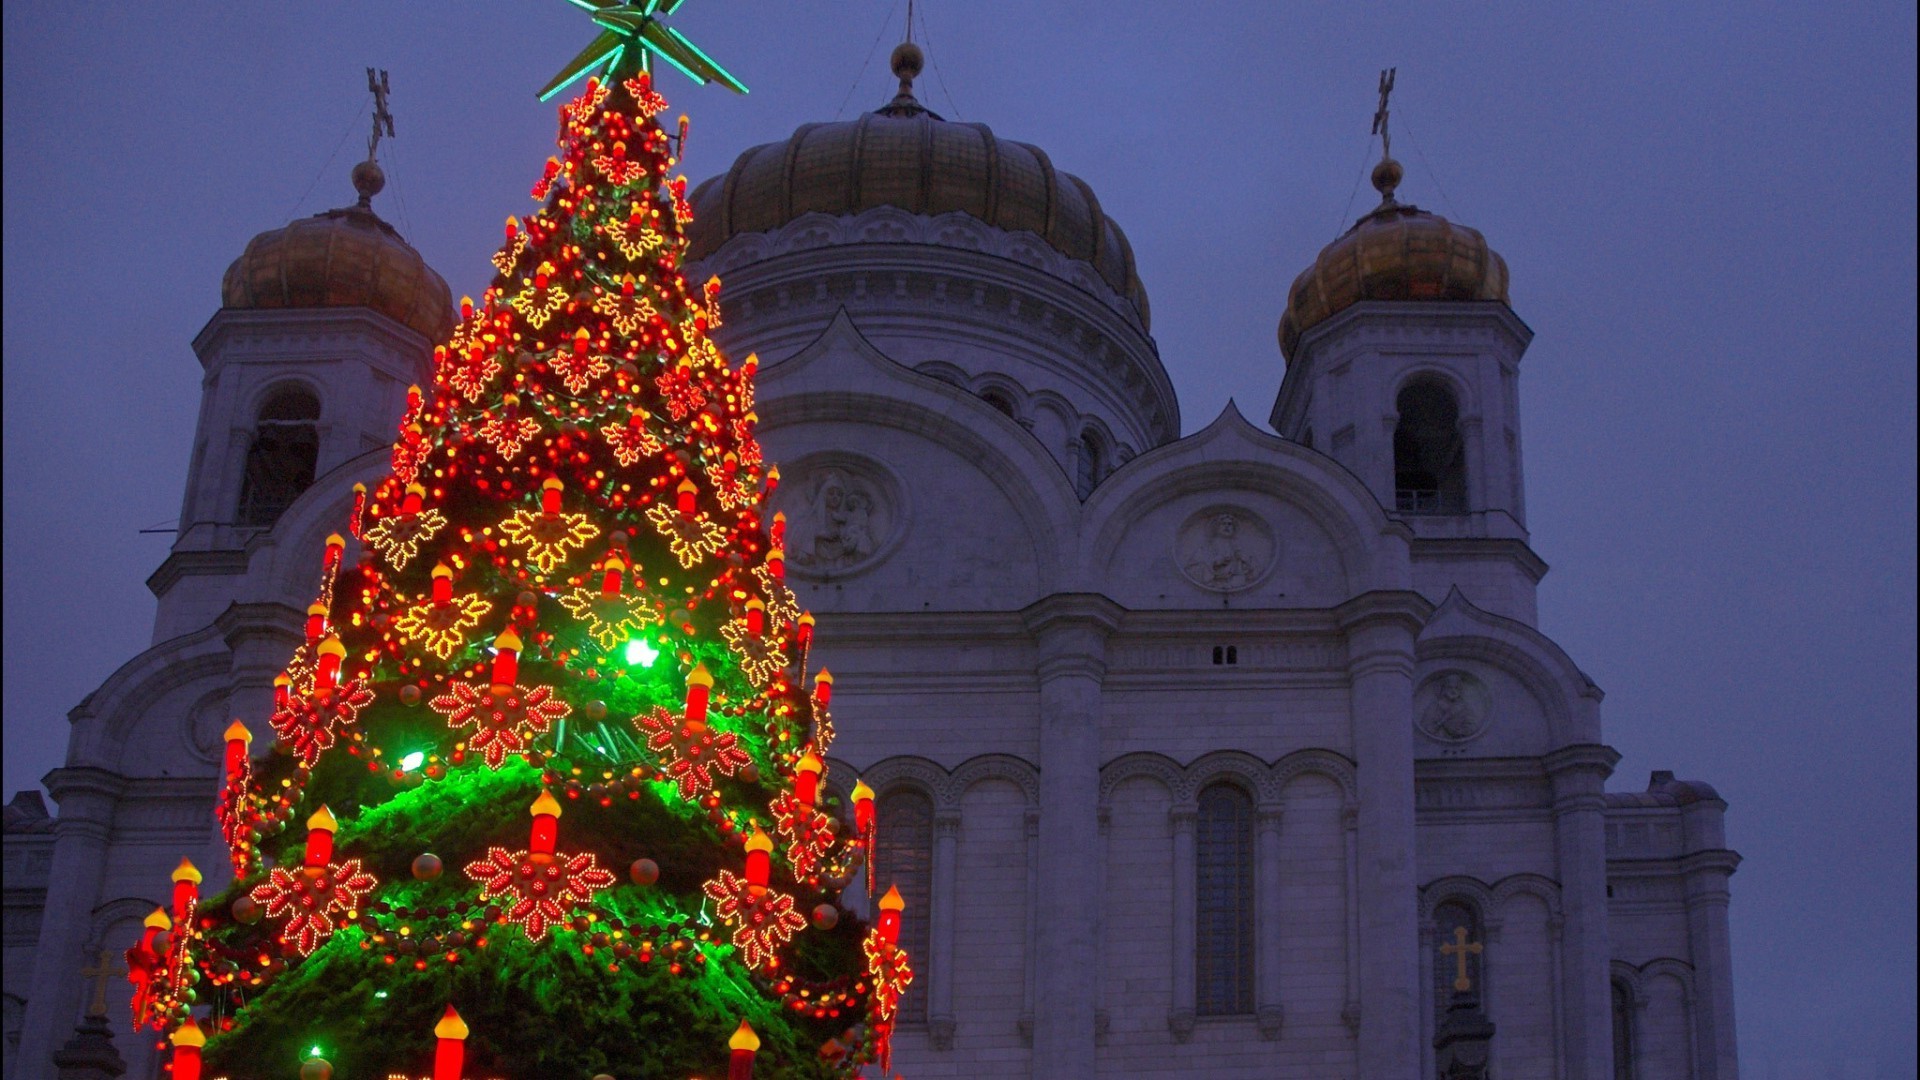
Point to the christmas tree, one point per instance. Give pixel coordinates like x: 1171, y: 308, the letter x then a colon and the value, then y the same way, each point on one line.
x: 546, y: 796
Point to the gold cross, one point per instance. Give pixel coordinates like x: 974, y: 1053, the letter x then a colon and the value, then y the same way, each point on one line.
x: 377, y: 85
x: 103, y: 969
x: 1380, y: 115
x: 1459, y: 950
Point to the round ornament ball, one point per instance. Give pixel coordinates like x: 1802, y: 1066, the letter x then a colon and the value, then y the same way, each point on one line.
x: 246, y: 911
x: 316, y: 1068
x: 427, y: 867
x: 527, y: 599
x: 644, y: 871
x: 826, y: 916
x: 750, y: 773
x: 410, y: 695
x: 602, y: 1076
x: 596, y: 710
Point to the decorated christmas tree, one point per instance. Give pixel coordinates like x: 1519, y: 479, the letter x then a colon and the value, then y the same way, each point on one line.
x: 546, y: 794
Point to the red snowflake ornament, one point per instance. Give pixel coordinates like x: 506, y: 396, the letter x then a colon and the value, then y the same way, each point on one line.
x: 307, y: 723
x: 632, y: 441
x: 684, y: 397
x: 762, y: 920
x: 690, y: 758
x: 545, y: 888
x: 313, y: 901
x: 808, y: 832
x: 503, y: 723
x: 646, y: 100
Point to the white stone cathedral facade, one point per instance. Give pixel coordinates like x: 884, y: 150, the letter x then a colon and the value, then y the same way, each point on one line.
x: 1192, y: 751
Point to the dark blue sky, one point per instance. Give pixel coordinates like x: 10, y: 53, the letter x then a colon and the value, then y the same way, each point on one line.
x: 1708, y: 209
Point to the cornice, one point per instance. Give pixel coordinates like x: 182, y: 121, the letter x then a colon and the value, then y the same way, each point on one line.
x: 184, y: 564
x: 240, y: 327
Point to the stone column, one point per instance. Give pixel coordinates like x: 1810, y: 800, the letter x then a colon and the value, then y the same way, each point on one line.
x: 1070, y: 631
x: 87, y: 798
x: 1380, y: 629
x: 1707, y: 867
x: 1579, y: 775
x: 1269, y: 1011
x: 946, y: 841
x: 261, y: 638
x: 1181, y: 818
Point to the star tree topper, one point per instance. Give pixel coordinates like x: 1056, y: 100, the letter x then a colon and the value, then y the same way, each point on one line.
x: 631, y: 35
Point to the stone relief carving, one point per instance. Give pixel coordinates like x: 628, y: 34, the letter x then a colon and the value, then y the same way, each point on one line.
x: 1224, y: 548
x: 1451, y: 706
x: 843, y: 513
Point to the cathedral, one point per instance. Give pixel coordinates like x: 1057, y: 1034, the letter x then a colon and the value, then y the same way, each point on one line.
x: 1237, y: 754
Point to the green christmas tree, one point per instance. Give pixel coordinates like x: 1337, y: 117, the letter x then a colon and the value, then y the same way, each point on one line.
x: 545, y: 798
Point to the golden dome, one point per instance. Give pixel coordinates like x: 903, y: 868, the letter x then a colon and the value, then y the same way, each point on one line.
x: 342, y: 258
x: 905, y: 156
x: 1396, y: 252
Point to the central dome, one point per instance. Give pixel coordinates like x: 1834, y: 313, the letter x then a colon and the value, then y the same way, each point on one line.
x: 905, y: 156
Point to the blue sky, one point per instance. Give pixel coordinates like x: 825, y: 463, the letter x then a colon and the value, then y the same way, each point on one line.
x: 1708, y: 210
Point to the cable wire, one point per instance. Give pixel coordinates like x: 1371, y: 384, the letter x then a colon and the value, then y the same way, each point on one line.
x: 868, y: 62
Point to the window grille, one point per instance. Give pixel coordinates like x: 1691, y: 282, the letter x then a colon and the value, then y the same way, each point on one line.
x: 903, y: 859
x: 1223, y: 858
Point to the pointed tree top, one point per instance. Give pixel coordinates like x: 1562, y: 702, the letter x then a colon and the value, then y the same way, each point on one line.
x: 631, y: 36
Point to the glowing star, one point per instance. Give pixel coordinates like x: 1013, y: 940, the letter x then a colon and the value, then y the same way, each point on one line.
x: 807, y: 832
x: 442, y: 628
x: 545, y: 889
x: 782, y: 607
x: 540, y: 300
x: 549, y: 537
x: 760, y: 658
x: 684, y: 397
x: 313, y: 904
x: 627, y: 309
x: 578, y: 369
x: 503, y: 723
x: 307, y: 723
x: 634, y: 237
x: 691, y: 537
x: 399, y: 537
x: 508, y: 431
x: 646, y: 100
x: 690, y: 757
x: 632, y: 441
x: 762, y: 920
x: 631, y: 36
x: 610, y: 619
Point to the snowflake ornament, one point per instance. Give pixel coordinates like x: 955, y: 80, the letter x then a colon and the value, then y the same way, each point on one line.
x: 634, y: 237
x: 469, y: 376
x: 763, y: 920
x: 691, y: 537
x: 730, y: 484
x: 690, y: 758
x: 646, y: 100
x: 503, y: 723
x: 619, y: 169
x: 684, y: 396
x: 581, y: 109
x: 508, y: 433
x: 808, y: 832
x: 442, y: 628
x: 632, y: 441
x: 760, y: 657
x: 545, y: 889
x: 627, y: 309
x: 509, y: 254
x: 610, y: 619
x: 541, y: 299
x: 313, y: 901
x: 782, y: 605
x: 307, y: 723
x: 399, y: 537
x: 549, y: 537
x: 578, y: 370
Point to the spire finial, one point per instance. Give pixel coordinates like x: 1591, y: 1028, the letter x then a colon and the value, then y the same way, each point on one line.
x: 368, y: 178
x: 1387, y: 174
x: 907, y: 63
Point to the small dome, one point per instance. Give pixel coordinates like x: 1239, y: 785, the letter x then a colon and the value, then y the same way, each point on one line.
x: 908, y: 157
x: 341, y: 258
x: 1396, y: 252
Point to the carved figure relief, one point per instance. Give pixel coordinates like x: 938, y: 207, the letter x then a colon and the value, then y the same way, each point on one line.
x: 1225, y: 549
x: 841, y: 511
x: 1451, y: 706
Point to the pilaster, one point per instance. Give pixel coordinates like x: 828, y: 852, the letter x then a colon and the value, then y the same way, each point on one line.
x: 1579, y: 775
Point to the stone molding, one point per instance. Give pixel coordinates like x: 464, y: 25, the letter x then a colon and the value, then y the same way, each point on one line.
x: 1265, y: 782
x: 307, y: 335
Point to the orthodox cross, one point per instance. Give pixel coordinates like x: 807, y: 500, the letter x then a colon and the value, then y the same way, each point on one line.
x: 1460, y: 950
x: 1380, y: 115
x: 377, y: 85
x: 103, y: 969
x: 631, y: 36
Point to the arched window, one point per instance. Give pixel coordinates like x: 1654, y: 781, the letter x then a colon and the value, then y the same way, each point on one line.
x: 1000, y: 402
x: 1092, y: 463
x: 1429, y: 458
x: 903, y: 859
x: 1448, y: 919
x: 1622, y: 1031
x: 1223, y: 902
x: 280, y: 463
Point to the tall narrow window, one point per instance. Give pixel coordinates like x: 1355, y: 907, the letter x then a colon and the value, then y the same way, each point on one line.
x: 1622, y: 1031
x: 281, y: 461
x: 1223, y: 902
x: 1448, y: 919
x: 903, y: 859
x: 1092, y: 464
x: 1429, y: 458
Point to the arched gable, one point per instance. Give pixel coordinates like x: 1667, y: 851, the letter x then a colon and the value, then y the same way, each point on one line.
x: 1568, y: 699
x: 173, y: 673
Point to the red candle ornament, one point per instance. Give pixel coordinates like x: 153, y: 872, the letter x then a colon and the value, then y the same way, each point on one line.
x: 683, y: 497
x: 546, y: 824
x: 613, y: 569
x: 327, y: 675
x: 155, y: 925
x: 823, y: 687
x: 187, y: 1041
x: 550, y: 490
x: 442, y: 585
x: 759, y: 860
x: 581, y: 339
x: 805, y: 629
x: 316, y: 622
x: 238, y: 739
x: 186, y: 889
x: 744, y: 1044
x: 806, y: 777
x: 862, y: 807
x: 890, y: 906
x: 450, y: 1053
x: 410, y: 502
x: 506, y: 661
x: 320, y: 829
x: 466, y: 308
x: 699, y: 690
x: 337, y: 544
x: 773, y: 478
x: 756, y: 616
x: 777, y: 563
x: 778, y: 533
x: 282, y: 689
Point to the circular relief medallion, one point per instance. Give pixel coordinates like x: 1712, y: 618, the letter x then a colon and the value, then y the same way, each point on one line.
x: 844, y: 514
x: 1224, y: 548
x: 1451, y: 706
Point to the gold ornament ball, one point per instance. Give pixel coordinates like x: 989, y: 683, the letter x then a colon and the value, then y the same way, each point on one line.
x: 427, y: 867
x: 644, y: 871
